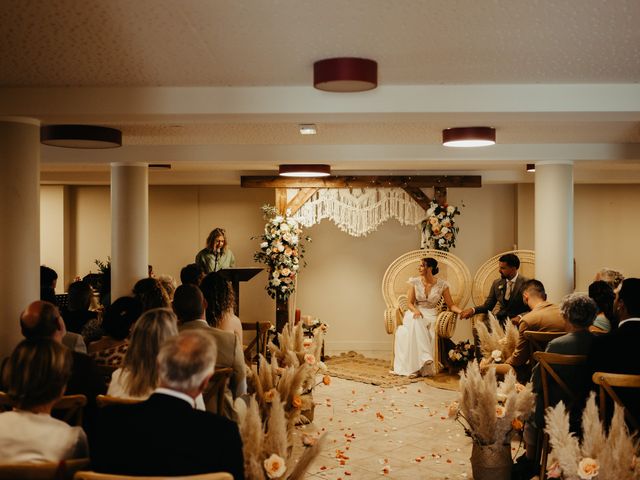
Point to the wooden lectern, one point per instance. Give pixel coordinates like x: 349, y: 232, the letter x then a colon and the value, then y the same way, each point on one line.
x: 237, y: 275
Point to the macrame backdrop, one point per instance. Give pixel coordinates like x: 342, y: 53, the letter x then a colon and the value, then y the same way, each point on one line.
x: 360, y: 211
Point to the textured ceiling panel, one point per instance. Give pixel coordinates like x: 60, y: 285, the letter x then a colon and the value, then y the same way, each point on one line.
x: 257, y: 42
x: 372, y: 133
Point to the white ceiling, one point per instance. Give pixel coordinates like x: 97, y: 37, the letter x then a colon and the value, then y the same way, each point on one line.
x: 217, y: 88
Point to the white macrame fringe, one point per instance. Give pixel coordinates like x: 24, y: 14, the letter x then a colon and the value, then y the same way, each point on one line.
x: 359, y: 212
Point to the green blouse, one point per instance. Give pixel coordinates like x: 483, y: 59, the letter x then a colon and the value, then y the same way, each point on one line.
x: 207, y: 260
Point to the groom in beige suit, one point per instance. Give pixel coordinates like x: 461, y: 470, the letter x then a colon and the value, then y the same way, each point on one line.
x: 189, y: 305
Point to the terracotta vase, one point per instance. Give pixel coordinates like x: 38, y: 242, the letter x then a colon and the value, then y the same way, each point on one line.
x: 491, y: 462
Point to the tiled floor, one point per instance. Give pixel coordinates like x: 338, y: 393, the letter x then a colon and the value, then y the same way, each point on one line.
x: 403, y: 431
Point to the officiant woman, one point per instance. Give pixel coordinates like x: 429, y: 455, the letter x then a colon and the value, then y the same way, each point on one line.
x: 216, y: 255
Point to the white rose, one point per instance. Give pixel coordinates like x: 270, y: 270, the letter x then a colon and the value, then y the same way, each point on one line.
x: 451, y: 209
x: 284, y: 228
x: 285, y: 272
x: 280, y: 247
x: 496, y: 355
x: 588, y: 468
x: 294, y: 240
x: 294, y: 267
x: 277, y: 220
x: 500, y: 411
x: 451, y: 354
x: 264, y: 245
x: 275, y: 466
x: 444, y: 230
x: 287, y: 237
x: 275, y: 282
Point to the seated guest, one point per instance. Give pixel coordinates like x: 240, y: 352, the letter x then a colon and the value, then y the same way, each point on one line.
x: 612, y: 277
x: 543, y: 317
x: 602, y: 293
x: 617, y: 351
x: 578, y: 312
x: 165, y: 435
x: 119, y: 318
x: 76, y: 314
x: 35, y: 377
x: 42, y: 320
x: 220, y: 299
x: 168, y: 283
x: 151, y: 294
x: 138, y: 376
x: 48, y: 281
x: 191, y: 274
x: 189, y: 305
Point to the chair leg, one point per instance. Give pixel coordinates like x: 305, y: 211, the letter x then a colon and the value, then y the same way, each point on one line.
x: 543, y: 458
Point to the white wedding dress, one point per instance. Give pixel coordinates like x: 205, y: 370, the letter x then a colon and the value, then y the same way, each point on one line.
x: 413, y: 349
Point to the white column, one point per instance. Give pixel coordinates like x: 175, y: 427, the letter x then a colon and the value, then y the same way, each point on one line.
x: 554, y: 227
x: 129, y: 226
x: 20, y: 217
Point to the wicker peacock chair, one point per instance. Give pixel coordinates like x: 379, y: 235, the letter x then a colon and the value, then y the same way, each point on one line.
x: 488, y: 272
x: 394, y: 290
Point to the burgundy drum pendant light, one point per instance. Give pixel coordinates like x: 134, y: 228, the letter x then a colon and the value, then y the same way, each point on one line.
x: 345, y: 74
x: 469, y: 137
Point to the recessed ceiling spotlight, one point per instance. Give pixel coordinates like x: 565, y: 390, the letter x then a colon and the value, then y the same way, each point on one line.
x: 531, y: 167
x: 314, y: 170
x: 469, y: 137
x: 308, y: 129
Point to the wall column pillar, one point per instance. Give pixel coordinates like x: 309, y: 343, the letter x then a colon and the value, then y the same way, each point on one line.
x: 554, y: 227
x: 129, y: 226
x: 20, y: 216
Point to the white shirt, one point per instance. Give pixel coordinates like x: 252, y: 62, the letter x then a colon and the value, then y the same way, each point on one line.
x: 119, y: 380
x: 634, y: 319
x: 38, y: 437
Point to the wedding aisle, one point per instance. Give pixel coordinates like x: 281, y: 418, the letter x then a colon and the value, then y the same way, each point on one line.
x: 398, y: 433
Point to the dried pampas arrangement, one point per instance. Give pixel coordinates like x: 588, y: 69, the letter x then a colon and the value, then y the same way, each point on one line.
x: 490, y: 412
x: 602, y: 455
x: 498, y: 344
x: 266, y: 443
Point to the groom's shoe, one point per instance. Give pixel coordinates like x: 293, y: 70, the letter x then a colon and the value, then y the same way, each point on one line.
x: 428, y: 369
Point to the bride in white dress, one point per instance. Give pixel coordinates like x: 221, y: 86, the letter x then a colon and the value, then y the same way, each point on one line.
x: 414, y: 339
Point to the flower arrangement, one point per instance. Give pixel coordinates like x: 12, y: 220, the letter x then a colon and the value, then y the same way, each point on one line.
x: 460, y: 354
x: 281, y: 250
x: 498, y: 344
x: 439, y: 228
x: 489, y: 412
x: 601, y: 455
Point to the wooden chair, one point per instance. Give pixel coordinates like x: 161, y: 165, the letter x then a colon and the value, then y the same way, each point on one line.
x: 63, y: 470
x: 488, y: 273
x: 607, y: 382
x: 215, y: 392
x: 69, y: 408
x: 85, y: 475
x: 538, y: 341
x: 394, y: 289
x: 106, y: 400
x: 259, y: 342
x: 547, y: 361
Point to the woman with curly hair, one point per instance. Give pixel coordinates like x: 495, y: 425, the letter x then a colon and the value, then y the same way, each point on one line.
x: 151, y: 294
x: 220, y: 299
x: 602, y: 293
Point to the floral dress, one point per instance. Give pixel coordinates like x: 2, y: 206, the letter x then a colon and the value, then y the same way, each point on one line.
x: 413, y: 348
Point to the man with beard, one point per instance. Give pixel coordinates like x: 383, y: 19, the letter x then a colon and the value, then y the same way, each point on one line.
x: 506, y: 292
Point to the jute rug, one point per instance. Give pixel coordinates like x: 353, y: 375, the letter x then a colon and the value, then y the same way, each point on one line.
x: 355, y: 366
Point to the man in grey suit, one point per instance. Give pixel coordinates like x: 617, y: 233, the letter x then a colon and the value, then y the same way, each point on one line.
x: 189, y: 306
x: 506, y: 292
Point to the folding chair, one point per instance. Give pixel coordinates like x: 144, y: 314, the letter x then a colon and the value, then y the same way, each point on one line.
x: 546, y: 362
x: 606, y: 382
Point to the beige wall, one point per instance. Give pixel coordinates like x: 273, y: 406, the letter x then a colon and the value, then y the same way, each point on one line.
x: 342, y: 283
x: 52, y: 232
x: 605, y: 228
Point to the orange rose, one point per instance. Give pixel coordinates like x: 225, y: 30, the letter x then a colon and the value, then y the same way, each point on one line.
x: 326, y: 380
x: 517, y: 424
x: 296, y: 402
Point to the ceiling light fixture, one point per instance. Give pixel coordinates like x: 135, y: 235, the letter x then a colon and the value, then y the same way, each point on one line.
x: 80, y: 136
x: 308, y: 129
x: 345, y: 74
x: 314, y: 170
x: 531, y: 167
x: 469, y: 137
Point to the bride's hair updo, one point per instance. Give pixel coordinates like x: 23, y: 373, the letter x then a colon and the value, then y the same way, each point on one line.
x: 433, y: 263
